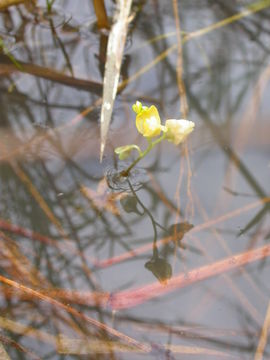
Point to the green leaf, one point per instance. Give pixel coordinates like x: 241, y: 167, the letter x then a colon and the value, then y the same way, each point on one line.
x: 160, y: 268
x: 129, y: 204
x: 124, y: 151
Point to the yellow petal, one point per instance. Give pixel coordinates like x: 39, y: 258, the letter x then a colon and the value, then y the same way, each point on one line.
x: 148, y: 122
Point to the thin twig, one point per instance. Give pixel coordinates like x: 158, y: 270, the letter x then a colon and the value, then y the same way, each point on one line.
x: 74, y: 312
x: 102, y: 18
x: 4, y: 4
x: 180, y: 71
x: 136, y: 296
x: 264, y: 335
x: 183, y: 105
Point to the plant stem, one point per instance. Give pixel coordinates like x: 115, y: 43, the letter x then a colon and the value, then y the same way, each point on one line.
x: 143, y: 154
x: 100, y: 10
x: 49, y: 5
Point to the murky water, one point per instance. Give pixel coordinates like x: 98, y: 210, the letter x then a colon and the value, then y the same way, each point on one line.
x: 173, y: 261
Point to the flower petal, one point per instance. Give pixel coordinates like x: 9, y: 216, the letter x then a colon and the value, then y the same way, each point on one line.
x: 148, y: 122
x: 178, y: 130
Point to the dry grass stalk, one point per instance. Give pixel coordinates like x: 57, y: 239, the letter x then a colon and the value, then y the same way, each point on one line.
x: 4, y: 4
x: 100, y: 10
x: 115, y: 49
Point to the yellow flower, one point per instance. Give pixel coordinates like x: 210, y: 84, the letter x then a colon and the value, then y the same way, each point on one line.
x: 137, y: 107
x: 148, y: 122
x: 178, y: 130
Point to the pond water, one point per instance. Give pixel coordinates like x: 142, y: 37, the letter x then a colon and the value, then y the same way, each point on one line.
x: 173, y: 261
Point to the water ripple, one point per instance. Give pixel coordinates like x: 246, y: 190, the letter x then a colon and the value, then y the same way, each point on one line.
x: 136, y: 179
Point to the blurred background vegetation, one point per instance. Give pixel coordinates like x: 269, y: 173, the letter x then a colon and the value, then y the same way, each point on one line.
x: 75, y: 243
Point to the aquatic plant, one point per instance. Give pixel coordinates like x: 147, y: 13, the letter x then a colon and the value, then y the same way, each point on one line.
x: 149, y: 125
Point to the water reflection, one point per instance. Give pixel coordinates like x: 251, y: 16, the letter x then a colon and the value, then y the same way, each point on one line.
x: 75, y: 240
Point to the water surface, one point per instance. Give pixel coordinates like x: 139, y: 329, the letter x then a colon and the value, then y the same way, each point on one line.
x: 95, y: 268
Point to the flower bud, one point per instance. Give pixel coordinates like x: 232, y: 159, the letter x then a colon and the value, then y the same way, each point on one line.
x: 178, y: 130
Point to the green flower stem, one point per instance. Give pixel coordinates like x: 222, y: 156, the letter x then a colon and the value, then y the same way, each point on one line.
x: 143, y: 154
x: 138, y: 149
x: 9, y: 55
x: 49, y: 5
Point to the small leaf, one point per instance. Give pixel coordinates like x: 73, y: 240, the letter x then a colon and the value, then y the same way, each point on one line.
x: 124, y: 151
x: 129, y: 204
x: 137, y: 107
x: 160, y: 268
x: 180, y: 229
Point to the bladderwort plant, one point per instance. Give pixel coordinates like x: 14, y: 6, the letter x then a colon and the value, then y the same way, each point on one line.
x: 149, y: 125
